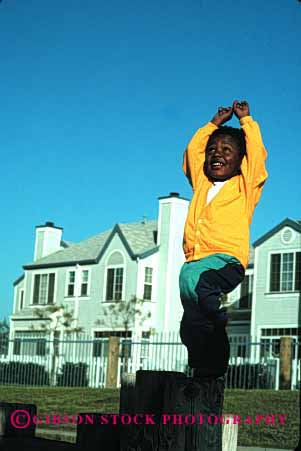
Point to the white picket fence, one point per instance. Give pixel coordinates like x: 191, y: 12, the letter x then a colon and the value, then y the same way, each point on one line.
x: 82, y: 360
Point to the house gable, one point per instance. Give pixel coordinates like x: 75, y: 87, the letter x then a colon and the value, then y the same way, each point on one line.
x: 279, y: 307
x: 295, y: 225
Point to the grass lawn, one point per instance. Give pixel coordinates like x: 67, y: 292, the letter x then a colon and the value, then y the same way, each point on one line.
x: 63, y: 400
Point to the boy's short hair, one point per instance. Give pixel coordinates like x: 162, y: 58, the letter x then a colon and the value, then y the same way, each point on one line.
x: 237, y: 134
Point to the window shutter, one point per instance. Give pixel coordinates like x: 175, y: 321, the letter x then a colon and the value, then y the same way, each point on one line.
x: 84, y: 289
x: 17, y: 346
x: 147, y: 295
x: 275, y: 272
x: 51, y: 288
x: 36, y: 289
x: 71, y: 290
x: 110, y: 281
x: 244, y: 293
x: 298, y: 272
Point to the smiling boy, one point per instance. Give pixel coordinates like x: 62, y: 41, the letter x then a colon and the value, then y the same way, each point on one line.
x: 225, y: 167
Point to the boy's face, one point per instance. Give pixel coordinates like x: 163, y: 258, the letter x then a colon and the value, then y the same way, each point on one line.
x: 222, y: 158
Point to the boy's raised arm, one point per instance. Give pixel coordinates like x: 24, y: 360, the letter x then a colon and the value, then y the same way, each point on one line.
x: 253, y: 165
x: 194, y: 155
x: 223, y: 115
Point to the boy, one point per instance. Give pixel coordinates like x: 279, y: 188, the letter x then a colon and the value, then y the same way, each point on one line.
x: 225, y: 167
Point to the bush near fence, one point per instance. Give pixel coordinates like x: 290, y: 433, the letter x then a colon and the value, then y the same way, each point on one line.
x: 23, y: 373
x: 73, y: 375
x: 83, y: 362
x: 248, y: 376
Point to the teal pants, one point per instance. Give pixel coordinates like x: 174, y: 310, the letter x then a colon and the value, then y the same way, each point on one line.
x: 202, y: 329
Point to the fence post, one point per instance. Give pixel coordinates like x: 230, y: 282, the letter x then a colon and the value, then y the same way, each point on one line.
x: 113, y: 357
x: 285, y: 363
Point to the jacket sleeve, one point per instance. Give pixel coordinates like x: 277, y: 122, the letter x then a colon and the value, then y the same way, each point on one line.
x: 194, y: 155
x: 253, y: 165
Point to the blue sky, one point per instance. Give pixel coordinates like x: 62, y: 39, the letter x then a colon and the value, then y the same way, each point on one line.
x: 99, y: 99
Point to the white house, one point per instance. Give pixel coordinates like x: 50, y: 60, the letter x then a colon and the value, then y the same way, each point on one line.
x: 141, y: 259
x: 266, y: 306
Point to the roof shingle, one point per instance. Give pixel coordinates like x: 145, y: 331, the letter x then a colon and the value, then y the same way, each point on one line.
x: 139, y: 236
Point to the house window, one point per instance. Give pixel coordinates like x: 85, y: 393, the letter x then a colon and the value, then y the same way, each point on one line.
x: 29, y: 344
x: 101, y: 342
x: 246, y: 288
x: 282, y: 331
x: 100, y: 346
x: 271, y: 339
x: 84, y: 282
x: 43, y: 291
x: 145, y: 345
x: 285, y: 272
x: 239, y: 346
x: 21, y: 303
x: 114, y: 284
x: 71, y: 283
x: 148, y: 278
x: 269, y: 347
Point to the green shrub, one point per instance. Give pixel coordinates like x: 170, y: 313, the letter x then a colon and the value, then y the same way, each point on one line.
x: 23, y: 373
x: 73, y: 375
x: 249, y: 376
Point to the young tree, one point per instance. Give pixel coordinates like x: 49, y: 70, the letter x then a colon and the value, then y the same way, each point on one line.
x: 55, y: 319
x: 125, y: 316
x: 4, y: 336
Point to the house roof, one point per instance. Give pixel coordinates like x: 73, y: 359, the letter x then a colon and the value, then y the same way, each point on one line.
x: 138, y: 237
x: 19, y: 280
x: 296, y: 225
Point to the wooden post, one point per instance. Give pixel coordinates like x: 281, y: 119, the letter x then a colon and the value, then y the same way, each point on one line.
x: 113, y: 357
x: 145, y: 397
x: 285, y: 363
x: 196, y: 404
x: 186, y: 412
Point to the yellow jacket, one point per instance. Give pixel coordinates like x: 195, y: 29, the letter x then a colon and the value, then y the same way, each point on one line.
x: 222, y: 226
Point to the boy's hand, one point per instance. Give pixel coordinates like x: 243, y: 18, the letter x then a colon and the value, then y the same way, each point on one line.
x: 241, y: 109
x: 223, y: 115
